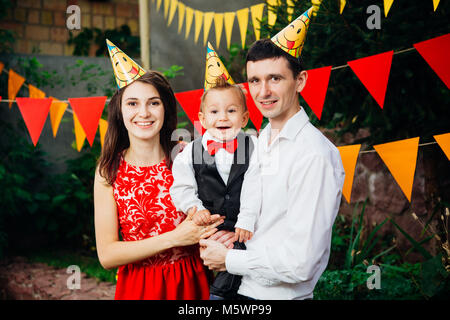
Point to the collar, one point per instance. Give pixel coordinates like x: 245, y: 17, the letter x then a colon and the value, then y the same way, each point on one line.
x: 208, y: 136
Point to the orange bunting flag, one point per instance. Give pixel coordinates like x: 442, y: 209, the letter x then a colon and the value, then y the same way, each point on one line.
x: 374, y: 72
x: 15, y: 82
x: 401, y: 157
x: 315, y: 89
x: 103, y: 127
x: 80, y: 136
x: 190, y: 102
x: 443, y: 141
x: 349, y: 156
x: 57, y: 110
x: 1, y: 66
x: 34, y: 92
x: 34, y: 113
x: 88, y: 111
x: 436, y: 52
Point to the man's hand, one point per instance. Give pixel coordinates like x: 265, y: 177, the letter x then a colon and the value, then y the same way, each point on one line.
x: 213, y: 254
x: 224, y: 237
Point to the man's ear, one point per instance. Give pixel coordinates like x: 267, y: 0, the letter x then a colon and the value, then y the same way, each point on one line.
x: 245, y: 117
x: 301, y: 79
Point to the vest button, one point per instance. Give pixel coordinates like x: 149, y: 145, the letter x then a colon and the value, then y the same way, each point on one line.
x: 227, y: 197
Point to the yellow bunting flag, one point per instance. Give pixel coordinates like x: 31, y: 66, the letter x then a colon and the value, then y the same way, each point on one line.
x: 257, y: 12
x: 57, y: 110
x: 34, y: 92
x: 387, y: 6
x: 103, y: 126
x: 229, y: 22
x: 272, y: 12
x: 343, y: 2
x: 158, y: 4
x: 80, y: 136
x: 209, y: 16
x: 242, y: 16
x: 401, y: 157
x: 173, y: 9
x: 189, y: 18
x: 15, y: 82
x: 181, y: 11
x: 435, y: 4
x: 443, y: 141
x: 349, y: 156
x: 198, y: 23
x: 218, y: 26
x: 166, y: 8
x: 290, y: 9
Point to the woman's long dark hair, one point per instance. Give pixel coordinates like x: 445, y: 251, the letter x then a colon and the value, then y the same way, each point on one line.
x: 116, y: 138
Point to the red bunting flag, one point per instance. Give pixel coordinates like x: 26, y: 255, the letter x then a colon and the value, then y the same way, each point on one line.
x: 374, y: 72
x: 255, y: 115
x: 315, y: 89
x: 88, y: 112
x: 190, y: 102
x: 34, y: 113
x: 436, y: 52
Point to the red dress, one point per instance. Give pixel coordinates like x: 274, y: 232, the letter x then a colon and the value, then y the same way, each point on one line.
x: 145, y: 209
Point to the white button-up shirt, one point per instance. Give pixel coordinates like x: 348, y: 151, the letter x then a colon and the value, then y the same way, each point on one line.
x: 184, y: 190
x: 302, y: 177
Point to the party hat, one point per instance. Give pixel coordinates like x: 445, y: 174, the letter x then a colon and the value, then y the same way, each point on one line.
x: 292, y: 38
x: 214, y: 68
x: 125, y: 69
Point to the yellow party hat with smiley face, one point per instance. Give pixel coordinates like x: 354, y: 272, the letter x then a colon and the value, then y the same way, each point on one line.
x: 214, y: 68
x: 292, y: 38
x: 125, y: 69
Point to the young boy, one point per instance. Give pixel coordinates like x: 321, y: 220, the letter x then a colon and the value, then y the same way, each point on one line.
x: 219, y: 173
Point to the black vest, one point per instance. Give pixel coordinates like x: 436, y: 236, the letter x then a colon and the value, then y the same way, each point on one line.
x: 212, y: 191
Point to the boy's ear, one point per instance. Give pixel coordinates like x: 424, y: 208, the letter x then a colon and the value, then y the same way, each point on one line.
x: 201, y: 117
x: 245, y: 117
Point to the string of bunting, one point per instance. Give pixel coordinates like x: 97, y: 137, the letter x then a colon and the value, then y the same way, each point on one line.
x: 400, y: 156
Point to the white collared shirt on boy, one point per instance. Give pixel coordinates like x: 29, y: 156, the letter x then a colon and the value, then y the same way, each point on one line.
x: 302, y: 177
x: 184, y: 188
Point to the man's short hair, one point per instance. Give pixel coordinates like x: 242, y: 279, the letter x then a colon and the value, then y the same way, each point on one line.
x: 265, y: 49
x: 222, y: 84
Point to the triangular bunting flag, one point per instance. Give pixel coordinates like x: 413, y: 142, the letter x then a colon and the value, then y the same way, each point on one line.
x: 34, y: 112
x: 34, y: 92
x: 103, y: 127
x: 198, y: 23
x: 272, y: 15
x: 229, y: 22
x: 57, y: 110
x: 1, y: 66
x: 436, y: 52
x: 15, y: 82
x: 209, y: 16
x: 218, y: 27
x: 257, y: 13
x: 342, y: 6
x: 189, y: 18
x: 315, y: 89
x: 88, y: 110
x: 80, y: 136
x: 242, y: 16
x: 387, y: 6
x: 173, y: 9
x: 435, y: 4
x: 374, y: 72
x: 158, y: 4
x: 349, y: 156
x: 166, y: 8
x: 255, y: 115
x: 181, y: 11
x: 190, y: 102
x: 290, y: 9
x: 443, y: 141
x: 401, y: 157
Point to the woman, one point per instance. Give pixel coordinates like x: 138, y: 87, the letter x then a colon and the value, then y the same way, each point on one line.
x: 157, y: 258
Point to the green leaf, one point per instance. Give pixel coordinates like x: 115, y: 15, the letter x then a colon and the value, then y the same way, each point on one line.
x: 415, y: 244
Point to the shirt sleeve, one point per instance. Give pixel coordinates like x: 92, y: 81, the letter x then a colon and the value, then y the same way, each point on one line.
x: 251, y: 193
x: 314, y: 195
x: 184, y: 188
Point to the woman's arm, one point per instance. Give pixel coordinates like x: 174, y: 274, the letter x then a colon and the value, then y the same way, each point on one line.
x: 113, y: 253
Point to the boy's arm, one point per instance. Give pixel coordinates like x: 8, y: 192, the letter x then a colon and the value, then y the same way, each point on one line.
x: 184, y: 188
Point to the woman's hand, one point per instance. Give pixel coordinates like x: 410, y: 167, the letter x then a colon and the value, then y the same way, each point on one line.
x: 188, y: 232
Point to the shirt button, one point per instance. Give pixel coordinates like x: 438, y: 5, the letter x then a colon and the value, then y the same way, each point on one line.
x: 227, y: 197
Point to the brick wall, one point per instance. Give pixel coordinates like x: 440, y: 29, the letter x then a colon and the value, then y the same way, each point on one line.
x: 40, y: 25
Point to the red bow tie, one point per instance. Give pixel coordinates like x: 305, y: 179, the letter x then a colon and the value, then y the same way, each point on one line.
x: 214, y: 146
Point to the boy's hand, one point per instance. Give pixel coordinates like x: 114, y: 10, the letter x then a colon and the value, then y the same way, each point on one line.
x: 202, y: 218
x: 242, y: 235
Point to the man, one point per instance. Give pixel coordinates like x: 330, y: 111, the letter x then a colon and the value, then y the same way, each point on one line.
x: 302, y: 178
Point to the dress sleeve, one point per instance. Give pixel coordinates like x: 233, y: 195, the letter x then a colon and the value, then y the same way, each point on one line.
x: 184, y: 188
x: 313, y: 196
